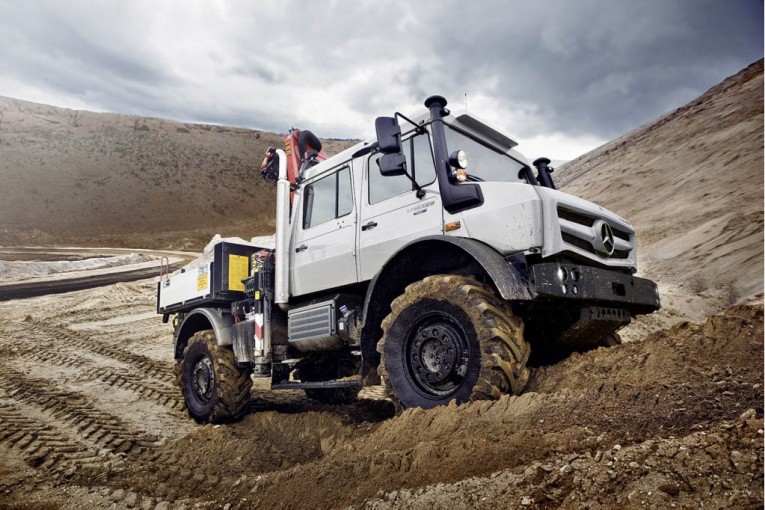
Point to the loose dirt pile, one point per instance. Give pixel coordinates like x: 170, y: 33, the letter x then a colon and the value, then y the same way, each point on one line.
x: 90, y: 421
x: 718, y: 467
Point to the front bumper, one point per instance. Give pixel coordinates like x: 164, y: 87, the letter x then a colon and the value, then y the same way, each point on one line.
x: 568, y: 280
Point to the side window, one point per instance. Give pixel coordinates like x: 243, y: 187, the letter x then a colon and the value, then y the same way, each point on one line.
x: 425, y: 169
x: 344, y: 192
x: 328, y: 198
x: 419, y: 162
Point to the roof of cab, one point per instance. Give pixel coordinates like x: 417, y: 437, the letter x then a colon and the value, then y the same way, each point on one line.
x: 461, y: 118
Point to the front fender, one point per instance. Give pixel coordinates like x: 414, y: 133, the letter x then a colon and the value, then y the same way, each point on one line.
x: 509, y: 283
x: 427, y: 256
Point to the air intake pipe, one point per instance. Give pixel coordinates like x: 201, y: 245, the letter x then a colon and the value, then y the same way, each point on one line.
x: 544, y: 171
x: 282, y: 257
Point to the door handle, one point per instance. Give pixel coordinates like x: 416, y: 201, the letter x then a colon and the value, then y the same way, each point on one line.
x: 369, y: 226
x: 300, y: 248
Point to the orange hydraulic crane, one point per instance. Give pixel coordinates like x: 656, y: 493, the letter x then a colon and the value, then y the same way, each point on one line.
x: 308, y: 153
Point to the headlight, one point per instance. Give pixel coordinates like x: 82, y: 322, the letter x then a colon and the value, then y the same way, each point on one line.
x: 458, y: 159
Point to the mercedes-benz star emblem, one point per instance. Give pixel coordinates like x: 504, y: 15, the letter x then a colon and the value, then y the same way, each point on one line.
x: 604, y: 237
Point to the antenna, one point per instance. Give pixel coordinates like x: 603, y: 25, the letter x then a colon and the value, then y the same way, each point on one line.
x: 465, y: 101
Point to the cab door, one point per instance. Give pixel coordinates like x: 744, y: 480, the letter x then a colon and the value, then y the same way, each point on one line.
x: 323, y: 254
x: 391, y: 214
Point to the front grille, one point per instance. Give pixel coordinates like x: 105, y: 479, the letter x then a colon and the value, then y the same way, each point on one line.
x: 578, y: 230
x: 575, y: 241
x: 574, y: 217
x: 586, y: 246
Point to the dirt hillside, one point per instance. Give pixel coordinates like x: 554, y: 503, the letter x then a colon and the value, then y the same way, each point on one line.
x: 98, y: 179
x: 691, y: 182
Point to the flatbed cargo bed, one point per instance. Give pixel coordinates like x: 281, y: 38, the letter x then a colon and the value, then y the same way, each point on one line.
x: 213, y: 279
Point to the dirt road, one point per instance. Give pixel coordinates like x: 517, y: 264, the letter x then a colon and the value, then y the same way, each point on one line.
x: 89, y: 417
x: 78, y: 280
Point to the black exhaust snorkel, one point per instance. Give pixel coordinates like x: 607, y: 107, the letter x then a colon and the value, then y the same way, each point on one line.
x: 456, y: 197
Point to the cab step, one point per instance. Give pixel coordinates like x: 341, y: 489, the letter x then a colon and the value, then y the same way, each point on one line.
x: 316, y: 385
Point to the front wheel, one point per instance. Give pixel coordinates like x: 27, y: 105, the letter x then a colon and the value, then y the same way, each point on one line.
x: 451, y: 338
x: 215, y: 389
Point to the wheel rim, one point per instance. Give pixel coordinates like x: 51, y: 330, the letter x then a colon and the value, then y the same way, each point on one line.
x: 437, y: 355
x: 203, y: 379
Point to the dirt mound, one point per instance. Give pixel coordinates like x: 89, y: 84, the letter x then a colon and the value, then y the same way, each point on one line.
x: 227, y: 461
x: 557, y: 441
x: 722, y: 467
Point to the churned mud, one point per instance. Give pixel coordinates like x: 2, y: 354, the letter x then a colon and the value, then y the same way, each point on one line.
x: 89, y: 416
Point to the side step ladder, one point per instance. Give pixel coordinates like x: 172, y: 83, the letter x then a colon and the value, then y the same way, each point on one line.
x: 316, y: 385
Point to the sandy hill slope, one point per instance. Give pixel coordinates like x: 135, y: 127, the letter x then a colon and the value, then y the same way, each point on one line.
x: 691, y: 182
x: 82, y: 178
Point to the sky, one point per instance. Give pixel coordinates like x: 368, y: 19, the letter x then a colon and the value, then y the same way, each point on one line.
x: 560, y: 76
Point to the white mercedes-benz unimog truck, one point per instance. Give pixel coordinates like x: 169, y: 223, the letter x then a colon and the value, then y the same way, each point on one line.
x: 433, y: 259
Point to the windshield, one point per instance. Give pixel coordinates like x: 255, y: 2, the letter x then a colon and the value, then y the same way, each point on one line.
x: 484, y: 161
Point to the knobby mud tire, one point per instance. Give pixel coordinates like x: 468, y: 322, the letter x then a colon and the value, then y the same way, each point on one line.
x: 228, y: 398
x: 177, y: 371
x: 497, y: 349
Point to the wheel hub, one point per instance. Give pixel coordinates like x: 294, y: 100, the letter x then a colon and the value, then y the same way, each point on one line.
x: 202, y: 378
x: 437, y: 356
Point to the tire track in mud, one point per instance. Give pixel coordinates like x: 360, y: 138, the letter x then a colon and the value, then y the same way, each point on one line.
x: 149, y: 367
x: 152, y: 384
x: 162, y: 393
x: 43, y: 446
x: 98, y: 428
x: 167, y: 396
x: 54, y: 451
x: 61, y: 433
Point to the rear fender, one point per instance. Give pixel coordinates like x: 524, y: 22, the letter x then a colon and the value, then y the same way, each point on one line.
x: 199, y: 319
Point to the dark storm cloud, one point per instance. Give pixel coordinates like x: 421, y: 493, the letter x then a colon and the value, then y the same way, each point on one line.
x: 46, y: 48
x: 595, y: 66
x: 581, y: 69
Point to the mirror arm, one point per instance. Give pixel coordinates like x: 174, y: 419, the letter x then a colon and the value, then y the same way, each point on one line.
x: 419, y: 129
x: 420, y: 192
x: 374, y: 146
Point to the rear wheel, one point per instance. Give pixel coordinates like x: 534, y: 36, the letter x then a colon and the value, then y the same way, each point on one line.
x: 215, y: 389
x: 451, y: 338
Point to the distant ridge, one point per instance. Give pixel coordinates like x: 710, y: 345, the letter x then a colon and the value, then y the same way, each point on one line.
x: 81, y: 178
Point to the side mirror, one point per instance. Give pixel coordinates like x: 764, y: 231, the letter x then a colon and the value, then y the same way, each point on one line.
x: 392, y: 165
x: 388, y: 135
